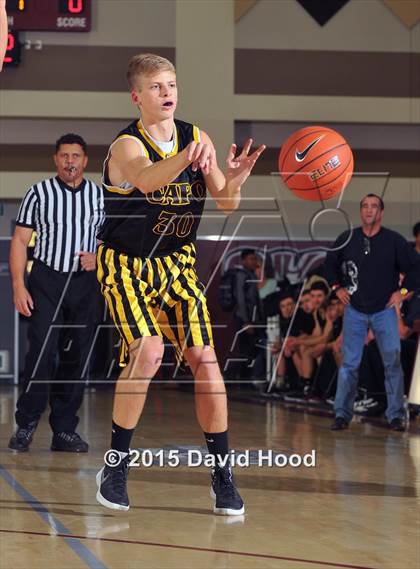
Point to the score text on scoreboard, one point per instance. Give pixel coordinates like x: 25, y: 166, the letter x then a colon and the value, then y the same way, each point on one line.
x: 12, y: 56
x: 49, y: 15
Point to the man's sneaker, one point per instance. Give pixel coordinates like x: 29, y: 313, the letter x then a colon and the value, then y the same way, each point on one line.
x: 22, y: 437
x: 339, y: 424
x: 227, y: 499
x: 266, y: 393
x: 361, y: 405
x: 68, y: 442
x: 307, y: 388
x: 298, y: 395
x: 273, y: 394
x: 314, y: 399
x: 370, y: 408
x: 311, y: 394
x: 397, y: 425
x: 295, y: 397
x: 112, y: 486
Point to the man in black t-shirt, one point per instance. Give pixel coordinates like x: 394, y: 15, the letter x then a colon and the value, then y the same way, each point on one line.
x: 303, y: 323
x: 247, y: 320
x: 302, y: 345
x: 364, y: 267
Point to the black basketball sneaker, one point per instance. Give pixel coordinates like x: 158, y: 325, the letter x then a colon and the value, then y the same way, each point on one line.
x: 112, y: 486
x: 22, y: 438
x: 227, y: 499
x: 68, y: 442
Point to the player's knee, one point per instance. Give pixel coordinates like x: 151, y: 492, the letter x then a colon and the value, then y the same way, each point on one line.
x: 149, y: 363
x: 205, y: 365
x: 146, y: 356
x: 201, y: 358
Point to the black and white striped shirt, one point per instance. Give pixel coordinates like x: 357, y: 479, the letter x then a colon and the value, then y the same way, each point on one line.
x: 66, y: 220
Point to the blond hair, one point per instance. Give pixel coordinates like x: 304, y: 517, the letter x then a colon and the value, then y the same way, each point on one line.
x: 146, y: 64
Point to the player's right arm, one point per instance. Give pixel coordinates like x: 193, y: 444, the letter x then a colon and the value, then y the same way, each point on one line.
x: 129, y: 163
x: 18, y: 260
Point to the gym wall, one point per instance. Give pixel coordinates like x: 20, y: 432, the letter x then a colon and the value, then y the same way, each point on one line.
x: 358, y: 73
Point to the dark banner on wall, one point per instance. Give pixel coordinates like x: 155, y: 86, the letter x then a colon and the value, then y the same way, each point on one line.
x: 291, y: 260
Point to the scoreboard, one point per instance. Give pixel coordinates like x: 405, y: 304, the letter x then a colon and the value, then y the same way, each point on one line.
x: 49, y: 15
x: 44, y: 15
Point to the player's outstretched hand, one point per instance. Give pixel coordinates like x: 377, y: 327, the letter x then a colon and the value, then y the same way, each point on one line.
x: 239, y: 168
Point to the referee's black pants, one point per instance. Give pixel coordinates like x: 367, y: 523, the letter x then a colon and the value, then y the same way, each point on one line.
x: 60, y: 335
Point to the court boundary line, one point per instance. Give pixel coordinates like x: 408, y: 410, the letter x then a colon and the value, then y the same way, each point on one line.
x: 195, y: 548
x: 59, y: 529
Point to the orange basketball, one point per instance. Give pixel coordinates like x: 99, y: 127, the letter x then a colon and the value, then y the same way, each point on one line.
x: 316, y: 163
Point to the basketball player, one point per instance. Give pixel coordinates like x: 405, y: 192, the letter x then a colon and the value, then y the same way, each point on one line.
x: 155, y: 176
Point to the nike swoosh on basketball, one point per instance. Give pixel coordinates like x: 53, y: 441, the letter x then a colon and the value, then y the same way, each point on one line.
x: 300, y: 156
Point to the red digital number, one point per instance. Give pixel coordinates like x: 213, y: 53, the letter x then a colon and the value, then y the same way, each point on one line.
x: 75, y: 6
x: 10, y: 46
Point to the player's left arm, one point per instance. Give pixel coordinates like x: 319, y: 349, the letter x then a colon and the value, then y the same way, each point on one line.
x: 225, y: 188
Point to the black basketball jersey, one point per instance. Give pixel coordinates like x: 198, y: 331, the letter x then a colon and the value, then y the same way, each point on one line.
x: 160, y: 222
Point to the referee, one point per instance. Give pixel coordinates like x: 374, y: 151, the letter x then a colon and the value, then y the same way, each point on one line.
x: 66, y: 212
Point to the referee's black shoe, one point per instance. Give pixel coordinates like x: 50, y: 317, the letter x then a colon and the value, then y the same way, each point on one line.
x: 22, y: 437
x: 112, y: 486
x: 227, y: 499
x: 68, y: 442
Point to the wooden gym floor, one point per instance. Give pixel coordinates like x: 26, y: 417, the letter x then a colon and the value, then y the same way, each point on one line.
x: 359, y: 507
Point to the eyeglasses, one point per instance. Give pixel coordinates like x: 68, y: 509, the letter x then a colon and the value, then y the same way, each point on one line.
x: 366, y: 245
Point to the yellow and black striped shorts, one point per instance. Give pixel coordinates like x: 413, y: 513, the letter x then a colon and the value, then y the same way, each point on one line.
x: 157, y: 296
